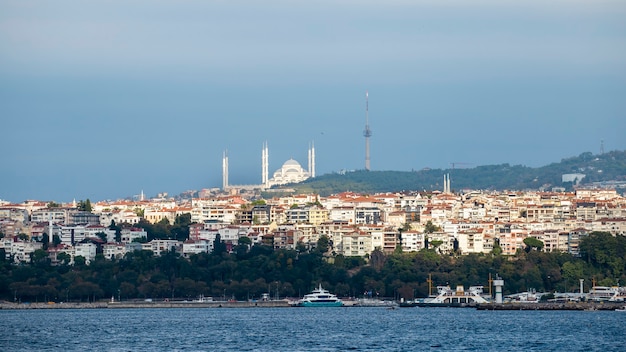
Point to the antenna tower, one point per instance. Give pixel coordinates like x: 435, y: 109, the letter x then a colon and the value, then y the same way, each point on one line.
x: 367, y: 133
x: 602, y: 146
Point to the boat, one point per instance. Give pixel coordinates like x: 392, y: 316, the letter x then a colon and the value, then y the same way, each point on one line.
x: 447, y: 297
x: 623, y: 309
x: 373, y: 302
x: 320, y: 297
x: 607, y: 294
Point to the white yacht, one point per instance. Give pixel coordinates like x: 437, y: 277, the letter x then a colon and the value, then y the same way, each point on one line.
x: 320, y: 298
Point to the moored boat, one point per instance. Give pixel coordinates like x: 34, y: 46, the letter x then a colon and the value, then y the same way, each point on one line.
x: 460, y: 297
x: 320, y: 297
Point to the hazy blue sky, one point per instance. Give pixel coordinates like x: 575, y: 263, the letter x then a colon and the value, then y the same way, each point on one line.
x: 101, y: 99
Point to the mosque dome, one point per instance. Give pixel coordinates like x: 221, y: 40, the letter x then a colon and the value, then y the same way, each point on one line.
x: 290, y: 172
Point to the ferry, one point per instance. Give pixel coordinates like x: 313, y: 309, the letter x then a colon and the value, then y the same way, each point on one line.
x: 320, y: 297
x: 607, y: 294
x: 447, y: 297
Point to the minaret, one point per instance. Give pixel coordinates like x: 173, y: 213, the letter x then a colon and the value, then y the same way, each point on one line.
x: 50, y: 228
x: 225, y: 170
x: 367, y: 133
x: 312, y: 168
x: 312, y: 159
x: 265, y: 165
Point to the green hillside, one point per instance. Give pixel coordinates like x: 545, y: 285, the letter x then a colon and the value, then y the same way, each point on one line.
x: 609, y: 166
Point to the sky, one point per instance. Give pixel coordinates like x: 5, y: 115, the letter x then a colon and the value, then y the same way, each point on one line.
x: 103, y: 99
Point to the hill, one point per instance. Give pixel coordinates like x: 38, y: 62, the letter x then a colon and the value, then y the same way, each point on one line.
x: 609, y: 166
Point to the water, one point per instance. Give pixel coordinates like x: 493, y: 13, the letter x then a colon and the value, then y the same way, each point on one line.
x: 310, y: 329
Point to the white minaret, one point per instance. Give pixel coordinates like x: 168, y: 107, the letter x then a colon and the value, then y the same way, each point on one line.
x: 312, y: 160
x: 50, y: 228
x: 265, y: 175
x: 446, y: 183
x: 225, y: 170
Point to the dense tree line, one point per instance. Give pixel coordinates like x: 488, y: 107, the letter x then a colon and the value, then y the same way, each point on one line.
x: 249, y: 271
x: 601, y: 167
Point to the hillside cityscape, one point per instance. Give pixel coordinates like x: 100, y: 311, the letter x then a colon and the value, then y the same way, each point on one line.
x: 244, y: 239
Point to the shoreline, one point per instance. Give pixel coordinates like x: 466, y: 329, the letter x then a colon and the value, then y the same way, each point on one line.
x: 143, y: 305
x: 584, y: 306
x: 581, y: 306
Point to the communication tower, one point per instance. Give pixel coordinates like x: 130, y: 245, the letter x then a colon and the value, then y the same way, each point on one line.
x: 367, y: 133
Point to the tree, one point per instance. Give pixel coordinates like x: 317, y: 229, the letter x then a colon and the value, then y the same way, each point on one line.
x: 79, y: 260
x: 118, y: 231
x: 180, y: 229
x: 64, y: 258
x: 84, y: 205
x: 40, y: 258
x: 219, y: 247
x: 45, y: 240
x: 532, y: 242
x: 323, y: 244
x: 430, y: 227
x: 102, y: 236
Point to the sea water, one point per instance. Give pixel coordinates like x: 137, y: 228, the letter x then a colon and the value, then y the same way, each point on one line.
x: 310, y: 329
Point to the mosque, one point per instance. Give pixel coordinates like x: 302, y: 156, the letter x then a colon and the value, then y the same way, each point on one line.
x: 290, y: 172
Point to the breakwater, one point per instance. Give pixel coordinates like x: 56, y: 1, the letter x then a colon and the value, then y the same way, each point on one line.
x: 552, y: 306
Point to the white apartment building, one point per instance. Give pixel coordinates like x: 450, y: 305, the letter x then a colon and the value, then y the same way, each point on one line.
x: 113, y: 250
x: 355, y: 244
x: 159, y: 247
x: 197, y: 247
x: 20, y: 250
x: 472, y: 241
x: 57, y: 215
x: 72, y: 234
x: 412, y: 241
x: 85, y: 250
x: 343, y: 214
x: 133, y: 233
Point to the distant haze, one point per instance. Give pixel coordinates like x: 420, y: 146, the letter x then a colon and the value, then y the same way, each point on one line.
x: 103, y: 99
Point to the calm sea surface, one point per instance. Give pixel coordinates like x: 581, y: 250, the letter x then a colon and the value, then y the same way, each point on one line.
x: 310, y: 329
